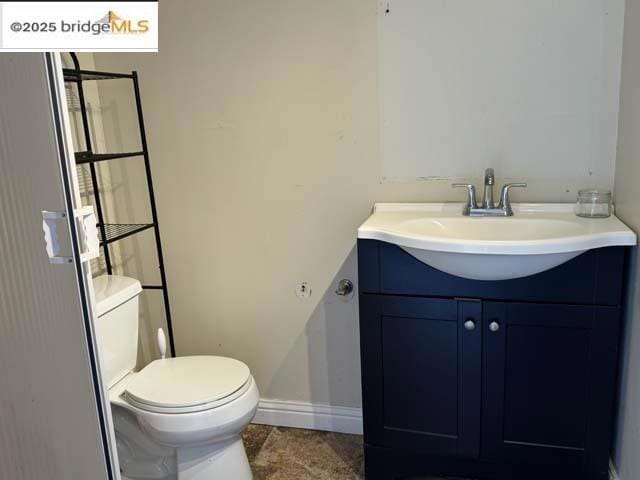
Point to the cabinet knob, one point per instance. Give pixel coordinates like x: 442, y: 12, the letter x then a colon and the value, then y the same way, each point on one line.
x: 470, y: 324
x: 494, y: 326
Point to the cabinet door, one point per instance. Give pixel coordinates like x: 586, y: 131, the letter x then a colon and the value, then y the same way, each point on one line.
x: 421, y: 361
x: 548, y: 384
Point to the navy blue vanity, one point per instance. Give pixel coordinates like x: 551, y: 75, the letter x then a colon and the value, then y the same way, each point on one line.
x: 510, y: 379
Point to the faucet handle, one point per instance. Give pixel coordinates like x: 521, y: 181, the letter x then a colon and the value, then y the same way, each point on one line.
x: 505, y: 201
x: 471, y: 196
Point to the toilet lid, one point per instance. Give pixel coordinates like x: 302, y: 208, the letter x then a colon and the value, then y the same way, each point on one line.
x: 187, y: 381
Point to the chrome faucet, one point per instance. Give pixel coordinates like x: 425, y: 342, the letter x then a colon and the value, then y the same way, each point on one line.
x: 489, y: 180
x: 489, y: 208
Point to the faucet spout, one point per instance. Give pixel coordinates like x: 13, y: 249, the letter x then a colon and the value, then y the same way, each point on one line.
x: 488, y: 207
x: 489, y: 180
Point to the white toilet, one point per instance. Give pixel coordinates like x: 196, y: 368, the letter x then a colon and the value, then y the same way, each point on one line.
x: 177, y: 418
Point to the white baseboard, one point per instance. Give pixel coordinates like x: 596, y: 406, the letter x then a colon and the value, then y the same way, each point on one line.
x: 285, y: 413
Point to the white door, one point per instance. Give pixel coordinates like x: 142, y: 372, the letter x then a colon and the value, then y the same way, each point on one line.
x: 54, y: 416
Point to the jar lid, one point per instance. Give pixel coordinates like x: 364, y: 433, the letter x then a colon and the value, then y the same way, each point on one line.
x: 594, y: 192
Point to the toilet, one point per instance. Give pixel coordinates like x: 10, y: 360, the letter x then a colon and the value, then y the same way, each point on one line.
x: 177, y: 418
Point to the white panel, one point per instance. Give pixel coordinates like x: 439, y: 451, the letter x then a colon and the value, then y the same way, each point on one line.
x: 528, y: 87
x: 49, y: 427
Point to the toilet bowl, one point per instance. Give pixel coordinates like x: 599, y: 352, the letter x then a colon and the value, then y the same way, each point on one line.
x: 177, y: 418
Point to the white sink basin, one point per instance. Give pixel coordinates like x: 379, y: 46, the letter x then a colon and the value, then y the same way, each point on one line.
x: 538, y: 237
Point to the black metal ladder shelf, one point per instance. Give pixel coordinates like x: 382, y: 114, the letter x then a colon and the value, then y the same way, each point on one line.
x: 109, y: 232
x: 89, y: 157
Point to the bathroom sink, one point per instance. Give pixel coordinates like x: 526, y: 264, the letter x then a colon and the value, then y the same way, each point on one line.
x: 537, y: 238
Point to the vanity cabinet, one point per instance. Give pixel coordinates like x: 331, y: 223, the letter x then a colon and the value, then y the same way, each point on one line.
x: 494, y: 380
x: 422, y: 373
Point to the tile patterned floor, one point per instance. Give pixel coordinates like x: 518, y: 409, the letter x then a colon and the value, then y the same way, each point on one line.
x: 279, y: 453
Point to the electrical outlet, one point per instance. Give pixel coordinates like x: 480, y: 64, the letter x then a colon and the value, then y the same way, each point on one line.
x: 303, y: 290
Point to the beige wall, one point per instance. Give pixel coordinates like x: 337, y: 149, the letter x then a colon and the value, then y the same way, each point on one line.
x: 517, y: 84
x: 627, y: 193
x: 263, y: 126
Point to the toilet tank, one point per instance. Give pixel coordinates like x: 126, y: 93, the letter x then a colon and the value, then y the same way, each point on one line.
x: 117, y: 325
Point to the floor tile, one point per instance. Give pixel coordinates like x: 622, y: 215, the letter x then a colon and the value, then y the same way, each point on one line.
x: 280, y: 453
x: 297, y: 454
x: 254, y: 437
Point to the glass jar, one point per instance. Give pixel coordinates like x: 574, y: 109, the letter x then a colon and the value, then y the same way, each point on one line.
x: 594, y: 203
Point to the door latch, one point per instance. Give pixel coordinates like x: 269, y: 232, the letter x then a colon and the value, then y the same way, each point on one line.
x: 86, y: 226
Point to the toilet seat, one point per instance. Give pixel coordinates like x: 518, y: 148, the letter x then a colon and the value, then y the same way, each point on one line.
x: 187, y: 384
